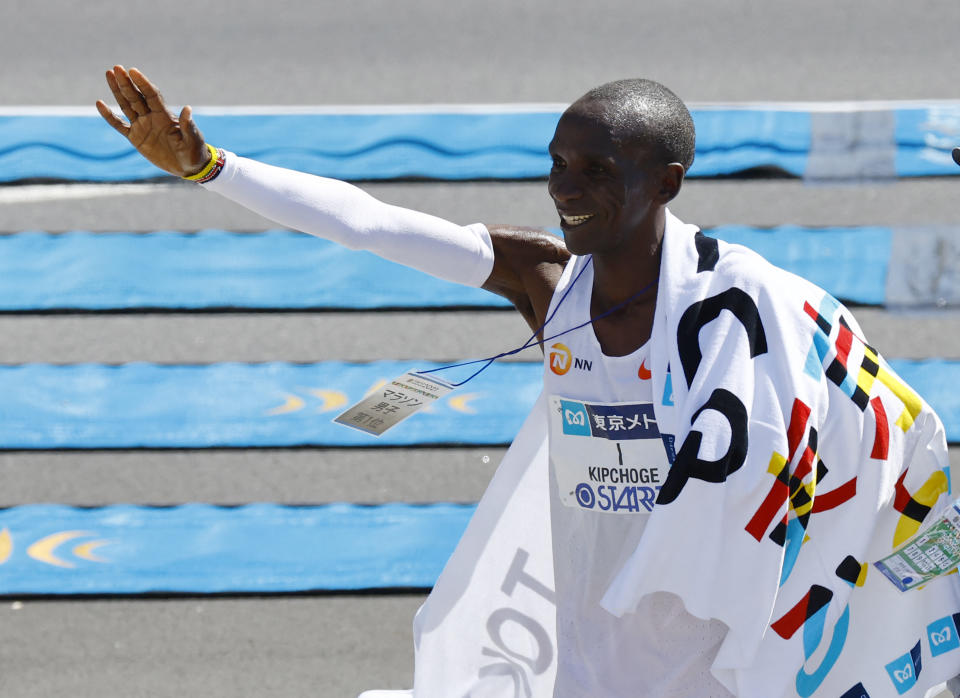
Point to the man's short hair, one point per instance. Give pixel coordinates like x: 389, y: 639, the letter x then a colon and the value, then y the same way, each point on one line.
x: 644, y: 112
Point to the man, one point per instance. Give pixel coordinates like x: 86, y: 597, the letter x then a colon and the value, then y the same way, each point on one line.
x: 782, y: 453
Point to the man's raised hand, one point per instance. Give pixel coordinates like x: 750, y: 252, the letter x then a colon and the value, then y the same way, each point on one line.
x: 172, y: 144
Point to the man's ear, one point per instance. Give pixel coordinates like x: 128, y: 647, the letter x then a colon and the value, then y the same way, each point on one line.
x: 671, y: 182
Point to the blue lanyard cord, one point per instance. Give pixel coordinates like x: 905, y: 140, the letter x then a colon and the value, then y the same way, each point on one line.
x: 486, y: 362
x: 530, y: 342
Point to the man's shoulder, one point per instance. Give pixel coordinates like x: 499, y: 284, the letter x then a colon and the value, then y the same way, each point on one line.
x: 529, y: 240
x: 528, y: 264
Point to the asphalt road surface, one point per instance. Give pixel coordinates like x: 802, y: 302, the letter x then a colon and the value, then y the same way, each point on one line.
x: 375, y: 52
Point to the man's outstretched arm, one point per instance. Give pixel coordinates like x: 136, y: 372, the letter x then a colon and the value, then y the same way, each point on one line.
x: 520, y: 264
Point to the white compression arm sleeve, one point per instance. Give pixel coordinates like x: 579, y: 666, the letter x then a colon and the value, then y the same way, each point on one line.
x: 341, y: 212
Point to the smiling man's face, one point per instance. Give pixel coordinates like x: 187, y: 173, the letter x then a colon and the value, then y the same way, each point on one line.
x: 603, y: 191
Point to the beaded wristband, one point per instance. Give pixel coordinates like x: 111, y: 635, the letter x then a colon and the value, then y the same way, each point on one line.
x: 211, y: 169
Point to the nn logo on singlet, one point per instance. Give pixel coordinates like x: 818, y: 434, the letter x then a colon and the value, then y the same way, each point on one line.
x: 562, y: 359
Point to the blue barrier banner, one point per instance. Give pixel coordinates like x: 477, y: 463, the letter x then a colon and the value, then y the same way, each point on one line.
x: 210, y: 269
x: 246, y: 405
x: 850, y: 263
x: 736, y: 140
x: 505, y: 142
x: 925, y: 137
x: 199, y: 548
x: 90, y: 406
x: 345, y: 146
x: 469, y: 144
x: 285, y: 270
x: 935, y: 380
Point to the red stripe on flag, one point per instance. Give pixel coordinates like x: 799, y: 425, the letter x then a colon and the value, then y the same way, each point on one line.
x: 881, y: 438
x: 792, y: 620
x: 813, y: 601
x: 776, y: 498
x: 843, y: 344
x: 834, y: 498
x: 902, y: 497
x: 798, y: 426
x: 805, y: 466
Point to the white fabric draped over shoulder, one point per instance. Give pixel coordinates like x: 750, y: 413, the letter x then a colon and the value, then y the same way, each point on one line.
x: 488, y: 627
x: 801, y: 458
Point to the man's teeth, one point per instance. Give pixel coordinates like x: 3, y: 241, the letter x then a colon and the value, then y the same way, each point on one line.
x: 576, y: 220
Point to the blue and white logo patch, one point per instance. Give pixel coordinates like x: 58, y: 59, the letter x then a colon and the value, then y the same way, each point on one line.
x: 576, y: 419
x: 942, y: 635
x: 905, y: 669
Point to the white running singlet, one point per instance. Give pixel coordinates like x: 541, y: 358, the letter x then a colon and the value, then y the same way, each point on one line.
x: 606, y: 461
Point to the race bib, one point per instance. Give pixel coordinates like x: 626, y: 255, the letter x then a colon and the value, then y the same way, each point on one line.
x: 607, y: 458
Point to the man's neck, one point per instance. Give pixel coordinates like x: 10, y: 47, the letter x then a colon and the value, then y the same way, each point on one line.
x: 620, y: 275
x: 629, y: 277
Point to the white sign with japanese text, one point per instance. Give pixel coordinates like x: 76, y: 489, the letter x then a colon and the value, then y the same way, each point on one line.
x: 394, y: 402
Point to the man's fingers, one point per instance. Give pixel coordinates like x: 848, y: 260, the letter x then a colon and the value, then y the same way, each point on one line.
x: 188, y: 128
x: 956, y: 155
x: 149, y: 91
x: 112, y: 118
x: 118, y: 95
x: 129, y: 91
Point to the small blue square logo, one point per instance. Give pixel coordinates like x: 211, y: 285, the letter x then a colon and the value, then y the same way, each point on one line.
x: 576, y: 421
x: 904, y: 670
x: 943, y: 636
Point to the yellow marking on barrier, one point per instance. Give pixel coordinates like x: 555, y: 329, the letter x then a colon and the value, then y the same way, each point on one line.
x: 927, y: 495
x: 460, y: 402
x: 6, y: 545
x: 85, y: 550
x: 44, y: 548
x: 332, y: 399
x: 292, y: 404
